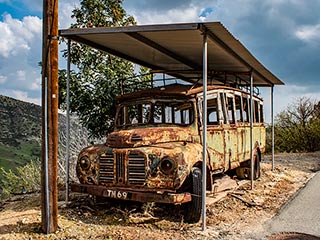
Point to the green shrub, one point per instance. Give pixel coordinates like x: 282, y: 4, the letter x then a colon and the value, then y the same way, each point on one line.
x: 25, y: 179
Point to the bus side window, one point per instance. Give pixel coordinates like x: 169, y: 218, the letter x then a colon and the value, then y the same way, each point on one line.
x: 223, y: 105
x: 261, y: 113
x: 168, y: 114
x: 146, y: 112
x: 157, y: 113
x: 230, y: 110
x: 256, y: 113
x: 212, y: 112
x: 239, y: 116
x: 245, y: 102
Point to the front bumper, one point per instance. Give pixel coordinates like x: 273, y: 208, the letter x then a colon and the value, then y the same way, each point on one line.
x: 131, y: 194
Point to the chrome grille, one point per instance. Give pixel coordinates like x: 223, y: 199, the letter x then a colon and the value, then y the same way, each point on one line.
x: 106, y: 174
x: 136, y: 169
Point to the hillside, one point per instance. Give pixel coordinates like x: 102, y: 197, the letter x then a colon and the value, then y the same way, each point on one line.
x: 20, y: 128
x: 18, y: 121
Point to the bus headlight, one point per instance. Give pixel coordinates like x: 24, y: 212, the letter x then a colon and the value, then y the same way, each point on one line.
x: 167, y: 166
x: 85, y: 163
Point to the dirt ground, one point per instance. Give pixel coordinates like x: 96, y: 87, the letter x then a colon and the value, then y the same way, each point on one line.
x: 242, y: 214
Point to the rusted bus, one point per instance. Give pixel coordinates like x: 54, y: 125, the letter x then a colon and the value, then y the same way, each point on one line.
x: 155, y: 150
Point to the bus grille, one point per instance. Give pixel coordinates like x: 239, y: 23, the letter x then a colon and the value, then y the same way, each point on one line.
x: 136, y: 169
x: 113, y: 169
x: 106, y: 174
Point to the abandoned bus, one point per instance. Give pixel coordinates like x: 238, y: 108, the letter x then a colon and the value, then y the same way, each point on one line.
x: 154, y: 153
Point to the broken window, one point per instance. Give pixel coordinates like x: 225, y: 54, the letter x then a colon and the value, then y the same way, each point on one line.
x: 230, y: 110
x: 238, y: 101
x: 212, y: 111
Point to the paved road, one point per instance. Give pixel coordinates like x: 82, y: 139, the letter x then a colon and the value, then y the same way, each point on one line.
x: 302, y: 214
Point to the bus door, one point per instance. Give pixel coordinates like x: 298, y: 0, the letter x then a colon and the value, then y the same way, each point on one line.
x: 230, y: 130
x: 215, y: 135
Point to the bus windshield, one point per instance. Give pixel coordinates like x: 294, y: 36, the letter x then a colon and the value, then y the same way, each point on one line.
x: 155, y: 112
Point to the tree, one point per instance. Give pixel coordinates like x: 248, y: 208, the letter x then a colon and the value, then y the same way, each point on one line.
x: 99, y: 77
x: 298, y: 127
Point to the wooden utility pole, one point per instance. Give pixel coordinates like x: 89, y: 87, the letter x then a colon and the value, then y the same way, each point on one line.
x: 49, y: 155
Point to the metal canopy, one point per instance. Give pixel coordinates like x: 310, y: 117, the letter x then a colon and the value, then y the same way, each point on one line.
x: 176, y: 49
x: 201, y: 53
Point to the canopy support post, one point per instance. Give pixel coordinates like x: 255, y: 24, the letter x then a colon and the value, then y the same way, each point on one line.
x: 204, y: 131
x: 68, y: 124
x: 251, y: 128
x: 272, y: 126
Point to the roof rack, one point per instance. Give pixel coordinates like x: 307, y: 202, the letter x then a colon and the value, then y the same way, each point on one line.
x: 152, y: 80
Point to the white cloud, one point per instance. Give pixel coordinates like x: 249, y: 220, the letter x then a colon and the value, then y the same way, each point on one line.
x: 20, y: 52
x: 308, y: 33
x: 18, y: 35
x: 21, y: 49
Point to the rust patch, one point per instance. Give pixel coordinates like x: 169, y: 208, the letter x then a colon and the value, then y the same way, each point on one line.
x: 148, y: 136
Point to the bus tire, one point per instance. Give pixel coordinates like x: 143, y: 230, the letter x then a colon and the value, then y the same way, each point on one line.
x: 193, y: 208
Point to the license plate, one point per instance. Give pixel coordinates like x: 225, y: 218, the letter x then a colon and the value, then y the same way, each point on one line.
x: 115, y: 194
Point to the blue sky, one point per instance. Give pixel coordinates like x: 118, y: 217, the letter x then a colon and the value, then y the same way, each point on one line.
x: 283, y: 34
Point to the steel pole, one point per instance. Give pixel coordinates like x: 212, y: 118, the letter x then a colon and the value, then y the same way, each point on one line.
x: 272, y: 127
x: 68, y: 125
x: 251, y: 128
x: 204, y: 132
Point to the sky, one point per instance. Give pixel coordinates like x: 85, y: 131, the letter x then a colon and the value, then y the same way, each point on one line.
x: 284, y: 35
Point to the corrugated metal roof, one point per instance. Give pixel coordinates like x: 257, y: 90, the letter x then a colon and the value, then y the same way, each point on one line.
x: 177, y: 50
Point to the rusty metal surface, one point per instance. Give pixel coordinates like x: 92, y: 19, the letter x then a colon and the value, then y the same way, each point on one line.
x: 148, y: 136
x: 160, y: 196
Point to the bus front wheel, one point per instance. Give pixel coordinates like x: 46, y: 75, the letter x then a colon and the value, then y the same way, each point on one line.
x: 193, y: 208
